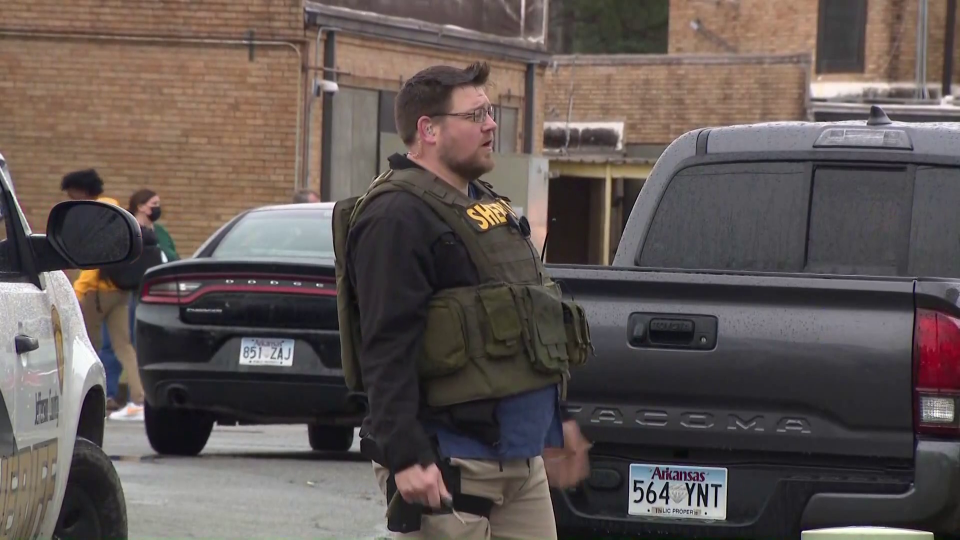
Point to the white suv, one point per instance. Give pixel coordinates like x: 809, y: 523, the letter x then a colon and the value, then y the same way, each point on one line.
x: 55, y: 480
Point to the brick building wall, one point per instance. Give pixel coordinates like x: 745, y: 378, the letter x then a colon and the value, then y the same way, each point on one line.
x: 659, y: 97
x: 166, y: 96
x: 200, y: 123
x: 223, y: 18
x: 761, y: 26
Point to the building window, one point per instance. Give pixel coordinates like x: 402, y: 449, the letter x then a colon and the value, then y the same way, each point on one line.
x: 364, y: 136
x: 388, y: 123
x: 389, y: 138
x: 841, y: 36
x: 354, y: 141
x: 506, y: 137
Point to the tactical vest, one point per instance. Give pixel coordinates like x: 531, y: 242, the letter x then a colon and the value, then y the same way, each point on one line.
x: 511, y: 334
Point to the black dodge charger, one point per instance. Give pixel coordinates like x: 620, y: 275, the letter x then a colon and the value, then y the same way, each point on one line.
x: 246, y: 332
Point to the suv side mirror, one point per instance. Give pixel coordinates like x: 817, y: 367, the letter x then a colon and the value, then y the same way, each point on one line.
x: 87, y: 235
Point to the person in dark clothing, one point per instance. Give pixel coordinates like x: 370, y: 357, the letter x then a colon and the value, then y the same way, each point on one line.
x: 400, y: 254
x: 144, y: 205
x: 306, y: 196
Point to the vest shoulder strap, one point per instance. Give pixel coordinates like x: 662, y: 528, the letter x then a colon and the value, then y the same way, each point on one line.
x: 376, y: 188
x: 488, y: 187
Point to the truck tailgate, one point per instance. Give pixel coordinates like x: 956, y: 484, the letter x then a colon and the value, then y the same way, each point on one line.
x: 773, y: 367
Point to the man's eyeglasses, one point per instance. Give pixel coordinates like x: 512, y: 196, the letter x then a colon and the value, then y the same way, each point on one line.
x: 477, y: 115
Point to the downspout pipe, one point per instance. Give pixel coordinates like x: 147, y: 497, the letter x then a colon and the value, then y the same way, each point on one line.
x: 326, y: 142
x: 312, y: 95
x: 530, y: 102
x: 920, y: 67
x: 948, y: 42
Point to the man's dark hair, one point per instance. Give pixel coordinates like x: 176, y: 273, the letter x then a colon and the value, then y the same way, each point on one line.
x: 428, y: 94
x: 86, y: 180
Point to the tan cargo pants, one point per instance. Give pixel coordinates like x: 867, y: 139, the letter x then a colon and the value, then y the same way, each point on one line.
x: 112, y: 309
x: 522, y: 506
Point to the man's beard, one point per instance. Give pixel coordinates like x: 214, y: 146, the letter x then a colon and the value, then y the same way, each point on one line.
x: 468, y: 169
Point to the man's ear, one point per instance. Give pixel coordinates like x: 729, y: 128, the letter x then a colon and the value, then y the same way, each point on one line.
x: 428, y: 131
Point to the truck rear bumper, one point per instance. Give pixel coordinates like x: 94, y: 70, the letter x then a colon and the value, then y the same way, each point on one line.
x: 931, y: 504
x: 774, y: 503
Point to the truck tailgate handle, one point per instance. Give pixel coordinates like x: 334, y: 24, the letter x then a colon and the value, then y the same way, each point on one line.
x: 680, y: 330
x: 672, y: 331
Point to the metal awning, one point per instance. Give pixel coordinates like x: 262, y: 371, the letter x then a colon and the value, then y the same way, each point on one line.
x: 599, y: 166
x: 915, y: 112
x: 404, y: 30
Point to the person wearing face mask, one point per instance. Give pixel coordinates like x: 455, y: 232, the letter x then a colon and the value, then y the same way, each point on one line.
x: 451, y: 325
x: 145, y: 207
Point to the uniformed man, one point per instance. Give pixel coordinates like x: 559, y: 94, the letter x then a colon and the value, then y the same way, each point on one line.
x: 450, y: 325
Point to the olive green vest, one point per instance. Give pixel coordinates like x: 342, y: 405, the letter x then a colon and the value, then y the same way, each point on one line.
x: 511, y: 334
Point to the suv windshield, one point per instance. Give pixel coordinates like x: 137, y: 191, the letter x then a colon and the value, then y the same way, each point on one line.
x: 278, y: 235
x: 841, y: 219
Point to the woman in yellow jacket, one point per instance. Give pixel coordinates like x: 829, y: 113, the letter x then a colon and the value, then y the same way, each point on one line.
x: 102, y: 302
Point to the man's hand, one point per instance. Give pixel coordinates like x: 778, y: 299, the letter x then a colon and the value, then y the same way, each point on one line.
x: 569, y: 466
x: 419, y: 485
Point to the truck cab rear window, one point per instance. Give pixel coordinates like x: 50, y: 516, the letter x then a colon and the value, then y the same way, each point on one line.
x: 935, y: 224
x: 801, y: 217
x: 740, y: 216
x: 859, y: 221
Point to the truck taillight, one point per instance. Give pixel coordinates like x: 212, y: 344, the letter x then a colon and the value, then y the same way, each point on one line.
x: 937, y: 373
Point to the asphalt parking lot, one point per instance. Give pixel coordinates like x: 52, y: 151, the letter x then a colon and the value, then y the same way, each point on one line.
x: 250, y: 482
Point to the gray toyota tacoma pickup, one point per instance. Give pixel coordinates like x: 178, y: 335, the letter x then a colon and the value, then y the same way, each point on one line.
x: 778, y: 338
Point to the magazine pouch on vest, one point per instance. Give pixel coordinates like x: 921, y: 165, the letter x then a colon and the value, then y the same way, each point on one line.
x: 512, y: 333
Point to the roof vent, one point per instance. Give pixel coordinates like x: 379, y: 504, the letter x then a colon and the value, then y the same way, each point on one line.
x: 878, y: 117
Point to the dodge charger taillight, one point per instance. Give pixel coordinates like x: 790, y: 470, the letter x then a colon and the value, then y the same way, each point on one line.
x: 187, y: 289
x: 937, y: 373
x: 168, y: 292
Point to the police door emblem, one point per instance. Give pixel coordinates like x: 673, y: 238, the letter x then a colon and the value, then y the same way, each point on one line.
x: 58, y: 343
